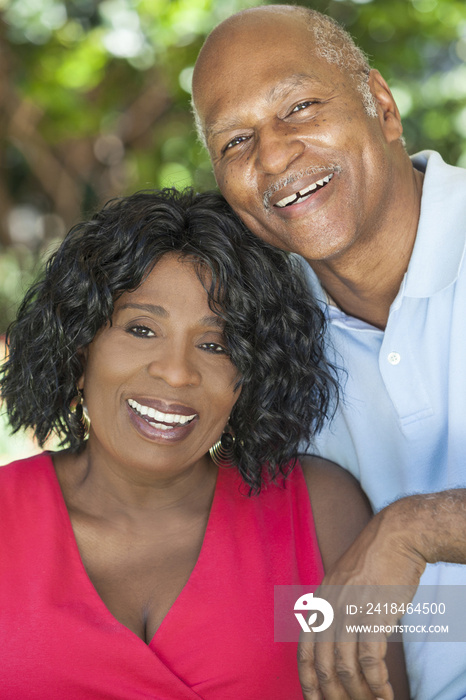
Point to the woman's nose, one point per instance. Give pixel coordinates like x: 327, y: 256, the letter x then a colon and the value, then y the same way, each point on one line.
x: 176, y: 367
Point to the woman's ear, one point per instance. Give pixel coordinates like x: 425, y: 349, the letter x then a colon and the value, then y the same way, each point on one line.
x: 82, y: 356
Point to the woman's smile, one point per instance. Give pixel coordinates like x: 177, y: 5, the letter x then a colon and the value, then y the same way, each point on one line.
x: 175, y: 423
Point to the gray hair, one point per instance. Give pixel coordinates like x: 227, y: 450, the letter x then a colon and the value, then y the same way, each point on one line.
x: 198, y: 124
x: 335, y: 45
x: 332, y: 43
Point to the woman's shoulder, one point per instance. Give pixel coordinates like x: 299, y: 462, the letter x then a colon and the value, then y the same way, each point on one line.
x: 29, y: 495
x: 23, y: 480
x: 327, y: 479
x: 40, y: 459
x: 339, y: 506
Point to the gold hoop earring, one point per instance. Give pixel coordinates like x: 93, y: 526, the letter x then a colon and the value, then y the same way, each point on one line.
x: 223, y: 452
x: 78, y: 409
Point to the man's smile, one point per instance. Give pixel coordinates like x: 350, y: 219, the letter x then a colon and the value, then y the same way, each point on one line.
x: 298, y: 186
x: 304, y: 193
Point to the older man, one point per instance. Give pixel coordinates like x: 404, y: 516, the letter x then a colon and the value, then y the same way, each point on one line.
x: 306, y: 145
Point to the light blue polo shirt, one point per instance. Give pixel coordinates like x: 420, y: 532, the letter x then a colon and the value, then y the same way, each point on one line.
x: 401, y: 426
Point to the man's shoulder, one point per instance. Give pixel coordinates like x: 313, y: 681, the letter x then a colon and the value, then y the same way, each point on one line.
x: 439, y: 176
x: 429, y: 160
x: 438, y: 253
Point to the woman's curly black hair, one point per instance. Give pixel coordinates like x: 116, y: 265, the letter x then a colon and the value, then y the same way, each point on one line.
x: 274, y: 329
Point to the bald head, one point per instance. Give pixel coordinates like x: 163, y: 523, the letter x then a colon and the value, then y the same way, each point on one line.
x: 267, y: 27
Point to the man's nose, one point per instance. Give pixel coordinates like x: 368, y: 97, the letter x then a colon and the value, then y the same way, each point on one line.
x: 176, y: 367
x: 279, y: 145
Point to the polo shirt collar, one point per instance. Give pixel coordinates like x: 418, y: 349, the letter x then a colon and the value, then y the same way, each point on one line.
x: 441, y: 237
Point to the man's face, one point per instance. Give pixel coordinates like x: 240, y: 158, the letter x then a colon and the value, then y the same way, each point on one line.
x: 293, y: 150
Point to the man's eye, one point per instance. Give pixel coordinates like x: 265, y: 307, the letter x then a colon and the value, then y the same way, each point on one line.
x: 234, y: 142
x: 215, y: 348
x: 302, y: 105
x: 141, y: 331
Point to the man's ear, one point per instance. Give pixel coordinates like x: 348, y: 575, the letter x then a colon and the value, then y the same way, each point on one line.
x: 388, y: 113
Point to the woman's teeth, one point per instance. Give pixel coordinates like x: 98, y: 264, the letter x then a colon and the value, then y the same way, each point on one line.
x: 163, y: 421
x: 305, y: 193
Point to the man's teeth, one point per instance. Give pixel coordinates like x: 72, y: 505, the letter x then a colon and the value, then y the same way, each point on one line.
x: 304, y: 193
x: 160, y: 419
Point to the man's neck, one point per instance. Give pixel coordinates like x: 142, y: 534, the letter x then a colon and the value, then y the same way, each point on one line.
x: 365, y: 280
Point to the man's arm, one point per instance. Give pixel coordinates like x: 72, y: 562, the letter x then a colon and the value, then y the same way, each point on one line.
x: 342, y: 517
x: 392, y: 550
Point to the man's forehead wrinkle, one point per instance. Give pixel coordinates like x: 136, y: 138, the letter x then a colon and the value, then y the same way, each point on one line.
x: 219, y: 126
x: 291, y: 82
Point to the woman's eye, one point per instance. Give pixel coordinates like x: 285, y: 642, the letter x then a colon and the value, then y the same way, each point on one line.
x: 215, y: 348
x: 141, y: 331
x: 234, y: 142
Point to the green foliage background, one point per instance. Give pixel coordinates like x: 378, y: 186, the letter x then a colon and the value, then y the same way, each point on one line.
x: 95, y: 102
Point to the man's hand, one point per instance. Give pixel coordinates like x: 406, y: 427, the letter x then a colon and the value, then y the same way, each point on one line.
x: 336, y: 666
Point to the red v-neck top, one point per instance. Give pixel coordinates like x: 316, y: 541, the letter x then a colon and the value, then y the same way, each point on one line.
x: 58, y: 640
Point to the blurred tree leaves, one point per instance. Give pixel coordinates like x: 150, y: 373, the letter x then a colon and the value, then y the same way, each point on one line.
x: 94, y: 102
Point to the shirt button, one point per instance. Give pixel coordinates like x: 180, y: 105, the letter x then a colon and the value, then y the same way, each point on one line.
x: 394, y: 358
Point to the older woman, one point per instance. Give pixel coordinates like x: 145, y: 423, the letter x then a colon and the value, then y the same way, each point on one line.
x: 140, y: 561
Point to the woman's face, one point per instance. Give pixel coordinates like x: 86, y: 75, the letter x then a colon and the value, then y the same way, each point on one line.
x: 158, y: 382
